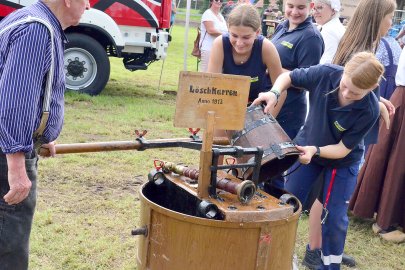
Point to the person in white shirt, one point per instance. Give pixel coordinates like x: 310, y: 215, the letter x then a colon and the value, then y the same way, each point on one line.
x: 213, y: 24
x: 326, y: 15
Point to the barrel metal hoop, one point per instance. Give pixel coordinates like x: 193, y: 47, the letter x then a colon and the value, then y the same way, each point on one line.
x: 276, y: 149
x: 249, y: 127
x: 259, y: 108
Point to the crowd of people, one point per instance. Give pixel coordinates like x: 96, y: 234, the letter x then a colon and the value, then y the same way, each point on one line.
x: 352, y: 74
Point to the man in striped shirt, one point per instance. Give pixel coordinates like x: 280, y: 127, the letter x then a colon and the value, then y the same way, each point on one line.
x: 32, y: 85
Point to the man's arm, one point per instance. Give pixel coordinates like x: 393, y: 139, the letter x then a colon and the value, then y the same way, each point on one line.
x: 20, y: 91
x: 18, y: 180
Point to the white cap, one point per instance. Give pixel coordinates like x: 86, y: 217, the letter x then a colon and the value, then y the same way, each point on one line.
x: 334, y: 4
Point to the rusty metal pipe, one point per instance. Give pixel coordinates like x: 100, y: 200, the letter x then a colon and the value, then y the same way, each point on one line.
x: 244, y: 190
x: 119, y: 145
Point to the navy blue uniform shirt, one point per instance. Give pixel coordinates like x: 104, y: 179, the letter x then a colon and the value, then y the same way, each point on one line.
x: 328, y: 122
x: 298, y: 48
x: 25, y: 59
x: 253, y: 67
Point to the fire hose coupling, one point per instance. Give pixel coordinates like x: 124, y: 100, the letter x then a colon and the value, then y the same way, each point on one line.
x: 245, y: 190
x: 181, y: 170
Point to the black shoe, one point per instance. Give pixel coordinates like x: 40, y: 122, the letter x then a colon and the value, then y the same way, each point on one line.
x: 312, y: 259
x: 348, y: 260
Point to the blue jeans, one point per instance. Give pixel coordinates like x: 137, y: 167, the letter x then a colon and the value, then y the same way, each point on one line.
x: 16, y: 220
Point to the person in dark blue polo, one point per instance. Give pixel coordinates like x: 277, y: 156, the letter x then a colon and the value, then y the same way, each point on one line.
x: 343, y: 109
x: 300, y: 45
x: 243, y: 51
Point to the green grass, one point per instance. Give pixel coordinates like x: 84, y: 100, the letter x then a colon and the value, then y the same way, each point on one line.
x: 195, y: 15
x: 88, y: 203
x: 145, y: 83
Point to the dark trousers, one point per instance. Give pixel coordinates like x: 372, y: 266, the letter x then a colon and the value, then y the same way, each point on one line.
x: 334, y: 230
x: 16, y: 220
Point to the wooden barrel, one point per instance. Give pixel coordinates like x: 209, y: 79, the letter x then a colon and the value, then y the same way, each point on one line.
x: 263, y: 130
x: 177, y: 238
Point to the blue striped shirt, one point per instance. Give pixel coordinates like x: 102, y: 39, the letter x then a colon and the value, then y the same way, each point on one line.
x: 25, y: 59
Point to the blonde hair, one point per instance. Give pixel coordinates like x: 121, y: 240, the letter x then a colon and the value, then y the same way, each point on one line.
x: 245, y: 15
x: 362, y: 33
x: 364, y: 70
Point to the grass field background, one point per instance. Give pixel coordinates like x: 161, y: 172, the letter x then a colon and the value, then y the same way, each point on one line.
x: 88, y: 203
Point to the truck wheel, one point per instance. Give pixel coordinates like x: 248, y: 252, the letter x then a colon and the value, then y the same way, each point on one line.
x: 87, y: 67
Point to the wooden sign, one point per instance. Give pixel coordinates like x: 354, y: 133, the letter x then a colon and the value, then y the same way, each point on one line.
x: 200, y: 92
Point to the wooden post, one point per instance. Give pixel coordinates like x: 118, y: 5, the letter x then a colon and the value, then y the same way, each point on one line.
x: 206, y: 157
x: 207, y: 100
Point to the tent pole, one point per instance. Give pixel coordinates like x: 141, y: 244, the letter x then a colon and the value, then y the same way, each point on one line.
x: 186, y: 34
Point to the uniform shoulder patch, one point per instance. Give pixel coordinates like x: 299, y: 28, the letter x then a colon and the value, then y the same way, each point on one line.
x: 254, y: 79
x: 287, y: 44
x: 338, y: 126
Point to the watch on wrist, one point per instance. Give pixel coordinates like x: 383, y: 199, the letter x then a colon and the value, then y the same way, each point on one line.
x: 276, y: 93
x: 318, y: 151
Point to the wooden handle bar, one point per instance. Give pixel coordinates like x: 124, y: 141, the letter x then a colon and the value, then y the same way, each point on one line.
x: 120, y: 145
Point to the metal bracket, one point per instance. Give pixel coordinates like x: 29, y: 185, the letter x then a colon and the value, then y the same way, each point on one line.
x: 194, y: 132
x: 236, y: 151
x: 277, y: 150
x: 141, y: 139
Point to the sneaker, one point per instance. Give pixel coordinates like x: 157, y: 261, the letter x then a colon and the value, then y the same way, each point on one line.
x: 312, y: 259
x: 348, y: 260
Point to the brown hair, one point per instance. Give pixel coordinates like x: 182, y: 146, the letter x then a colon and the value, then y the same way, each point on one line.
x: 245, y: 15
x: 364, y: 70
x: 362, y: 33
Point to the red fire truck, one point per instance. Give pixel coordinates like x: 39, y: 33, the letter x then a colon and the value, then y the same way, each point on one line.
x: 134, y: 30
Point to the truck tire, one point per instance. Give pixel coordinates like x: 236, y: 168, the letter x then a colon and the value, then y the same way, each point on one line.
x: 87, y: 67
